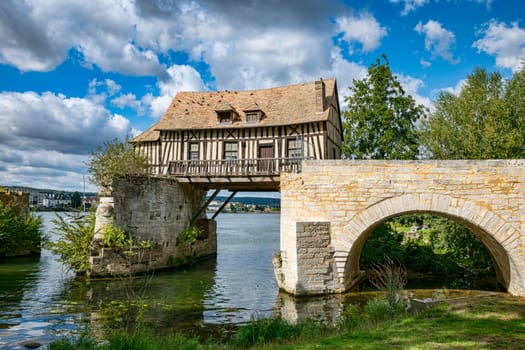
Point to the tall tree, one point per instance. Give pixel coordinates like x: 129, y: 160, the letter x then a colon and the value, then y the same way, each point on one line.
x: 515, y: 103
x: 485, y: 121
x: 380, y: 120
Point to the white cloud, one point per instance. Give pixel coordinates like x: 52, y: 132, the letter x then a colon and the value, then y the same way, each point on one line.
x: 345, y: 72
x: 505, y: 42
x: 363, y: 29
x: 410, y: 5
x: 36, y: 35
x: 127, y: 100
x: 412, y: 86
x: 438, y: 40
x: 182, y: 78
x: 456, y: 90
x: 46, y: 137
x: 47, y: 121
x: 112, y: 86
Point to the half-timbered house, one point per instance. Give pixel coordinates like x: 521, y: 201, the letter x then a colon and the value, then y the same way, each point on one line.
x: 244, y: 139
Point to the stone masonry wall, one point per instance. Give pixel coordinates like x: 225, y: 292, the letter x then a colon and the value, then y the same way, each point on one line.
x: 355, y: 196
x: 315, y: 257
x: 155, y: 210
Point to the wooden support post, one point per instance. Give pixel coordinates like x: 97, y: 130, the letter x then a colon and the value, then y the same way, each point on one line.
x: 196, y: 216
x: 223, y: 205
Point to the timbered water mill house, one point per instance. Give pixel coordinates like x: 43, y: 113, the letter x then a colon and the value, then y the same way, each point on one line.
x: 243, y: 140
x: 232, y: 140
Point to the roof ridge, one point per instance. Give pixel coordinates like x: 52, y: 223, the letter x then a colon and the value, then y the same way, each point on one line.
x: 253, y: 90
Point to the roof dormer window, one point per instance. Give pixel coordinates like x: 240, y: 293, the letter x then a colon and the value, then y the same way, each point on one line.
x: 225, y: 112
x: 224, y: 117
x: 253, y: 116
x: 253, y: 113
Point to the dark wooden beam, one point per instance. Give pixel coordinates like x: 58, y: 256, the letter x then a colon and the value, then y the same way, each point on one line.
x: 223, y: 205
x: 212, y: 197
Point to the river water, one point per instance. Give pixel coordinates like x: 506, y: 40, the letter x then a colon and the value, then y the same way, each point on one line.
x: 40, y: 300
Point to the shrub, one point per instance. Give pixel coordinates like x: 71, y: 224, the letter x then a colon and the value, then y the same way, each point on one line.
x: 115, y: 237
x: 189, y: 236
x: 20, y: 231
x: 73, y: 247
x: 390, y: 278
x: 351, y: 316
x: 379, y: 309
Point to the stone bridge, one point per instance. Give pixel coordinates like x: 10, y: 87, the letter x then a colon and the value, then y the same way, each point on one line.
x: 329, y: 210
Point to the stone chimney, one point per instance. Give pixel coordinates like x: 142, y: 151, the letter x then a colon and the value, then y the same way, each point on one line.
x: 319, y: 96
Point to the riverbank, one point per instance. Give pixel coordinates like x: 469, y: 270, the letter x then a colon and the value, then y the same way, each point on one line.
x: 493, y: 321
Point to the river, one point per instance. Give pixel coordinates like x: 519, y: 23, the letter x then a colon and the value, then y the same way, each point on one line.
x: 40, y: 300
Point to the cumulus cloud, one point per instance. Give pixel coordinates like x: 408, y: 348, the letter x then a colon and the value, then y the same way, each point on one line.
x: 182, y: 78
x: 48, y: 121
x: 46, y: 138
x: 36, y: 35
x: 412, y: 86
x: 410, y: 5
x: 363, y: 29
x: 505, y: 42
x: 438, y: 40
x: 456, y: 90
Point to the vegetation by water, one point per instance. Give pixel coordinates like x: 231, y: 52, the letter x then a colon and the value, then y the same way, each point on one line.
x: 442, y: 248
x: 73, y: 246
x: 488, y: 322
x: 20, y: 231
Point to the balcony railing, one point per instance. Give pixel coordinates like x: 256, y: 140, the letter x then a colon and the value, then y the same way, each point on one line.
x: 234, y: 167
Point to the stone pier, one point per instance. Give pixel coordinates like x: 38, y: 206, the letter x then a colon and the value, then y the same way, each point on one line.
x: 156, y: 211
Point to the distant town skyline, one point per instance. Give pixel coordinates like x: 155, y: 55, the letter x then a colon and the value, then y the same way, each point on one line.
x: 76, y: 74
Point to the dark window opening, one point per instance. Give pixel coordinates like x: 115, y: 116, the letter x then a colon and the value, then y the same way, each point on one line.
x: 225, y: 117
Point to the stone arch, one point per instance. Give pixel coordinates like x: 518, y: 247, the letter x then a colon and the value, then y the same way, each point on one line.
x: 501, y: 239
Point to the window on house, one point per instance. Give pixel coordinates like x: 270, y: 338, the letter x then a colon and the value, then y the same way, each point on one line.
x: 252, y: 117
x: 231, y: 150
x: 225, y: 117
x: 294, y: 148
x: 193, y: 151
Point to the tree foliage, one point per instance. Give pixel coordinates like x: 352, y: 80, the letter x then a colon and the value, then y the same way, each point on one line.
x: 76, y: 201
x: 20, y: 231
x: 380, y: 120
x: 115, y: 158
x: 485, y: 121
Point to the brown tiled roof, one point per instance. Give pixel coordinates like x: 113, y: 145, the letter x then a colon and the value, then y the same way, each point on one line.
x: 286, y: 105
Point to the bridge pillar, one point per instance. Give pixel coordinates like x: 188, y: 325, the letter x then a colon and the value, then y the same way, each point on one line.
x: 313, y: 272
x: 157, y: 211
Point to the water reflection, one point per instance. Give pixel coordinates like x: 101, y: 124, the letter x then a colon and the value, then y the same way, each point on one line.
x: 40, y: 301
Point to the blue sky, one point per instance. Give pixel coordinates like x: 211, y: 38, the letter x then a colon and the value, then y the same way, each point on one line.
x: 74, y: 74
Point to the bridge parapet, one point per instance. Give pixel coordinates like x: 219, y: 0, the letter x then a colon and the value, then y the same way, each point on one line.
x: 354, y: 197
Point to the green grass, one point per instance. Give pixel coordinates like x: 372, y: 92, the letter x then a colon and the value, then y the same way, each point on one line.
x: 490, y: 322
x: 487, y: 323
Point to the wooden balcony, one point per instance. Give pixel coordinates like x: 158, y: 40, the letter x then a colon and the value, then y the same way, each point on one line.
x: 235, y: 174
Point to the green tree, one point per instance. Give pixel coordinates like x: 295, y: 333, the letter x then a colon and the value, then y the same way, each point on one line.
x: 514, y: 101
x: 20, y: 231
x: 380, y: 120
x: 485, y: 121
x: 76, y: 201
x: 115, y: 158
